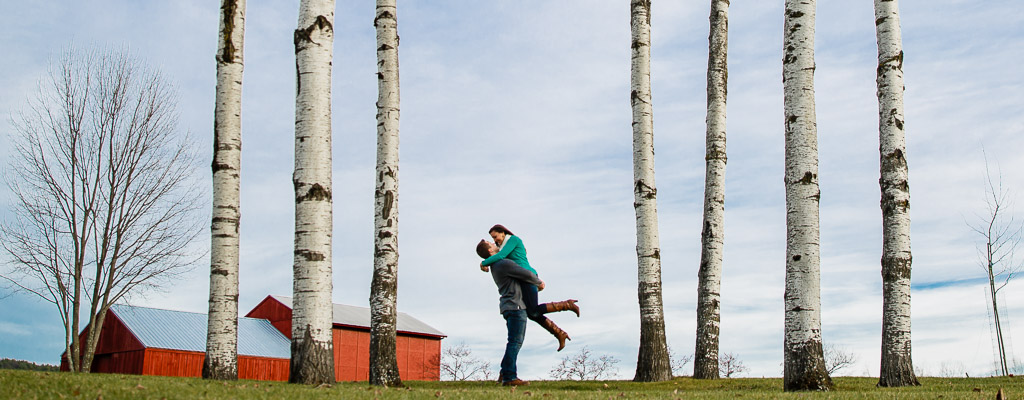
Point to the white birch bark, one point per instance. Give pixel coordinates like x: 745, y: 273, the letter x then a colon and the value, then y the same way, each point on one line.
x: 384, y: 287
x: 804, y: 363
x: 897, y: 369
x: 221, y: 360
x: 705, y: 360
x: 652, y: 359
x: 312, y: 360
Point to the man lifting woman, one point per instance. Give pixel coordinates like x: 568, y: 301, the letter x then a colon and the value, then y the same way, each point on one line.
x: 518, y: 285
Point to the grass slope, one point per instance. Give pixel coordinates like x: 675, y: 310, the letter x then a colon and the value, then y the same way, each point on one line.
x: 52, y: 385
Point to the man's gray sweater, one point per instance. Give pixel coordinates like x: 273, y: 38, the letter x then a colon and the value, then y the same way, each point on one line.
x: 507, y: 275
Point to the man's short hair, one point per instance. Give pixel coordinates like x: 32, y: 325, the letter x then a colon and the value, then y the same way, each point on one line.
x: 482, y: 249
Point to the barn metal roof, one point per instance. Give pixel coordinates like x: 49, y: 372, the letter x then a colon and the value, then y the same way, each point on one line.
x: 180, y: 330
x: 360, y: 316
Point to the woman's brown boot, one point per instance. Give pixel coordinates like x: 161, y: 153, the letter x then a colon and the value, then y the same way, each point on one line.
x: 568, y: 305
x: 555, y: 331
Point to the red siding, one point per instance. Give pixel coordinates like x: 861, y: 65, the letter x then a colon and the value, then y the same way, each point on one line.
x: 418, y: 355
x: 164, y: 362
x: 114, y: 339
x: 262, y: 368
x: 118, y: 351
x: 278, y: 315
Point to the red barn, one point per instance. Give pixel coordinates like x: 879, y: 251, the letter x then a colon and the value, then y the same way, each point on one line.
x: 418, y: 344
x: 150, y: 341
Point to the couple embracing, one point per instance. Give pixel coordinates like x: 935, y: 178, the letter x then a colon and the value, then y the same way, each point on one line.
x: 518, y: 285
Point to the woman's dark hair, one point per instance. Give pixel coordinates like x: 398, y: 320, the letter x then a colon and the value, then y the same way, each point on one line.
x: 500, y: 229
x: 482, y: 247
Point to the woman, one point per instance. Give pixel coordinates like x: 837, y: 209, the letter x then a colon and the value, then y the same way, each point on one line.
x: 512, y: 248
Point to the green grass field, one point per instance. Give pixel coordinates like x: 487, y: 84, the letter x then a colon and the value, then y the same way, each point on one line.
x: 54, y: 385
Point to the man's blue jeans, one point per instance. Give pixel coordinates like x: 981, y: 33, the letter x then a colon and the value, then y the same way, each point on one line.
x: 515, y: 321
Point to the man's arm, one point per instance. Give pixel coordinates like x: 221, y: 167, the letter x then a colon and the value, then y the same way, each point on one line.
x: 504, y: 252
x: 514, y: 271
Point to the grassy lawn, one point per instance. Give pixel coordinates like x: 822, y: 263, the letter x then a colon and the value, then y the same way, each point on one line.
x: 53, y: 385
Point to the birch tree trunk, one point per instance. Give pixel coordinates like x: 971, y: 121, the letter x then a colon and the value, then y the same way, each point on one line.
x: 705, y: 365
x: 897, y: 368
x: 312, y: 359
x: 384, y: 287
x: 221, y: 360
x: 804, y: 362
x: 652, y: 361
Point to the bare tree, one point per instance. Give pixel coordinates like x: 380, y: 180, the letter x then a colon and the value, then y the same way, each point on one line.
x: 585, y: 366
x: 836, y: 359
x: 712, y: 234
x: 104, y: 201
x: 729, y: 365
x: 1000, y: 234
x: 679, y: 362
x: 221, y: 360
x: 312, y: 360
x: 952, y: 369
x: 459, y: 364
x: 803, y: 362
x: 652, y: 359
x: 384, y: 286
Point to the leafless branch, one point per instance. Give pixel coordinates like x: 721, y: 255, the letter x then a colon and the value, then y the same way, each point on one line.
x: 837, y: 358
x: 729, y: 364
x: 105, y: 203
x: 678, y: 362
x: 459, y: 364
x: 585, y: 366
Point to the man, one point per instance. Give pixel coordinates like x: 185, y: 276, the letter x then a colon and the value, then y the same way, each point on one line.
x: 507, y: 275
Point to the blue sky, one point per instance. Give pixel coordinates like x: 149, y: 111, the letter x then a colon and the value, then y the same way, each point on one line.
x: 518, y: 113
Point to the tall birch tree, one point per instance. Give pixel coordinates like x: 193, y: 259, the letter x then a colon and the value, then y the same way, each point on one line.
x: 709, y: 276
x: 652, y: 361
x: 312, y: 360
x: 221, y: 360
x: 384, y: 286
x: 897, y: 368
x: 804, y: 362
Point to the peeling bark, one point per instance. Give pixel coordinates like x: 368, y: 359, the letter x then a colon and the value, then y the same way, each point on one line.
x: 652, y: 359
x: 384, y: 286
x: 312, y: 359
x: 709, y: 275
x: 897, y: 368
x: 804, y: 362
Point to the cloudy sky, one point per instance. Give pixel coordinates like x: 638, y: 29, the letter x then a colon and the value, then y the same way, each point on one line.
x: 518, y: 113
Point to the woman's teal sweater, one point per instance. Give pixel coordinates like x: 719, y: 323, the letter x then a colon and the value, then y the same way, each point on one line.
x: 512, y: 250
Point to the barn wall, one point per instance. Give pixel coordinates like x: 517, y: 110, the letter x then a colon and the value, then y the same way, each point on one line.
x: 275, y: 312
x: 165, y: 362
x: 418, y: 357
x: 351, y: 354
x: 127, y: 362
x: 262, y: 368
x: 114, y: 338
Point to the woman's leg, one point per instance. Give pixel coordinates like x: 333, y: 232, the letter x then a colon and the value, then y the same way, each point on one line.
x: 533, y: 311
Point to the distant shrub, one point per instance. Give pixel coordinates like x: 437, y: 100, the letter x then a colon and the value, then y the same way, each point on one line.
x: 7, y: 363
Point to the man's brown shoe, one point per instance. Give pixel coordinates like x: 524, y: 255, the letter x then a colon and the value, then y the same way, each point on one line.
x: 517, y: 382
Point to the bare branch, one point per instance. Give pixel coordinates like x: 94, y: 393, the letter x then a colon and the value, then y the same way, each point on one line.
x: 585, y: 366
x: 459, y: 364
x: 104, y: 201
x: 837, y: 358
x: 1000, y: 234
x: 729, y: 364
